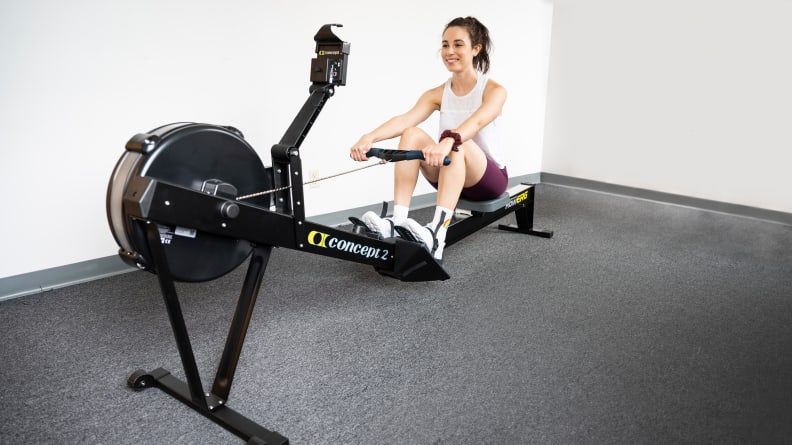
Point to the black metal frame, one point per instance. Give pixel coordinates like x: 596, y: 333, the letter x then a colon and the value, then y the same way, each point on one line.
x: 149, y: 202
x: 211, y: 405
x: 520, y: 202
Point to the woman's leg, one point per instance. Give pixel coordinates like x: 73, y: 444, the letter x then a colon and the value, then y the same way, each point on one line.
x: 405, y: 175
x: 466, y: 169
x: 405, y: 178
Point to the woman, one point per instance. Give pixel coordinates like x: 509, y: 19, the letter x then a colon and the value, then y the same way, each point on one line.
x: 469, y: 104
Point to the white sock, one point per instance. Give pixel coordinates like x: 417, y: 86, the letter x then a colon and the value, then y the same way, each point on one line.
x: 400, y: 214
x: 440, y: 223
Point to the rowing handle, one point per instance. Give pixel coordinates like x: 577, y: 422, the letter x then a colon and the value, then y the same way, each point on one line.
x: 400, y: 155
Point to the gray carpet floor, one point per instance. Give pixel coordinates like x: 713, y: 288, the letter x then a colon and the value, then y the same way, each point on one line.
x: 638, y: 323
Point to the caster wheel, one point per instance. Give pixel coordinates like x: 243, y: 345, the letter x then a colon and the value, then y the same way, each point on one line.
x: 140, y: 380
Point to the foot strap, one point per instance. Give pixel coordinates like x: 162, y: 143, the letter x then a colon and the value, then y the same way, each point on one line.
x: 407, y: 234
x: 384, y: 211
x: 360, y: 227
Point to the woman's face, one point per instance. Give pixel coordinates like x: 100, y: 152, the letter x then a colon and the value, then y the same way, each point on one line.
x: 457, y: 51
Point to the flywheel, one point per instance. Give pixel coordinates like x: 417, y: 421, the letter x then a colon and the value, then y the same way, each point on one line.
x: 202, y: 157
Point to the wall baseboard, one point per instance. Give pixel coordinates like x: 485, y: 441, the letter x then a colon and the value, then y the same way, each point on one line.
x: 669, y: 198
x: 58, y: 277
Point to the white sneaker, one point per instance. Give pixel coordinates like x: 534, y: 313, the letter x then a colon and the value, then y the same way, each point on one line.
x: 384, y: 227
x: 411, y: 230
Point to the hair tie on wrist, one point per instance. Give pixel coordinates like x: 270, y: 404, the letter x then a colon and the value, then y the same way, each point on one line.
x: 455, y: 136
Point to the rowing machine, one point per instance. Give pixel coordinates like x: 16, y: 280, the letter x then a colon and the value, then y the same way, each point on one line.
x: 185, y: 202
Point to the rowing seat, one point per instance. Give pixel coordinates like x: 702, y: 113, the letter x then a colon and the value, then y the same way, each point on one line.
x: 490, y: 205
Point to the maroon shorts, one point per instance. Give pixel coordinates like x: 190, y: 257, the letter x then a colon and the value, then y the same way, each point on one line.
x: 490, y: 186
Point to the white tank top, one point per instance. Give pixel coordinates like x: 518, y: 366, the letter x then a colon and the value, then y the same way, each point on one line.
x: 456, y: 109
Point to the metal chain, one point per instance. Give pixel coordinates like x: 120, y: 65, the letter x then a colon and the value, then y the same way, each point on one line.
x: 267, y: 192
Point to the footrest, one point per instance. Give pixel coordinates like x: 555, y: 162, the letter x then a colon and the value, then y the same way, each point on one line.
x: 407, y: 235
x: 359, y: 227
x: 414, y: 263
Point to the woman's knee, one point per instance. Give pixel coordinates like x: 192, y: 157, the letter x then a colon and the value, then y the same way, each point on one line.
x: 413, y: 138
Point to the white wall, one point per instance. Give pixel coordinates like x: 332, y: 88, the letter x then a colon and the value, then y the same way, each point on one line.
x: 79, y: 78
x: 691, y: 97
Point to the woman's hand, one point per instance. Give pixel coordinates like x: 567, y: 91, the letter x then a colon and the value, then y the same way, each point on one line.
x: 361, y: 147
x: 435, y: 154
